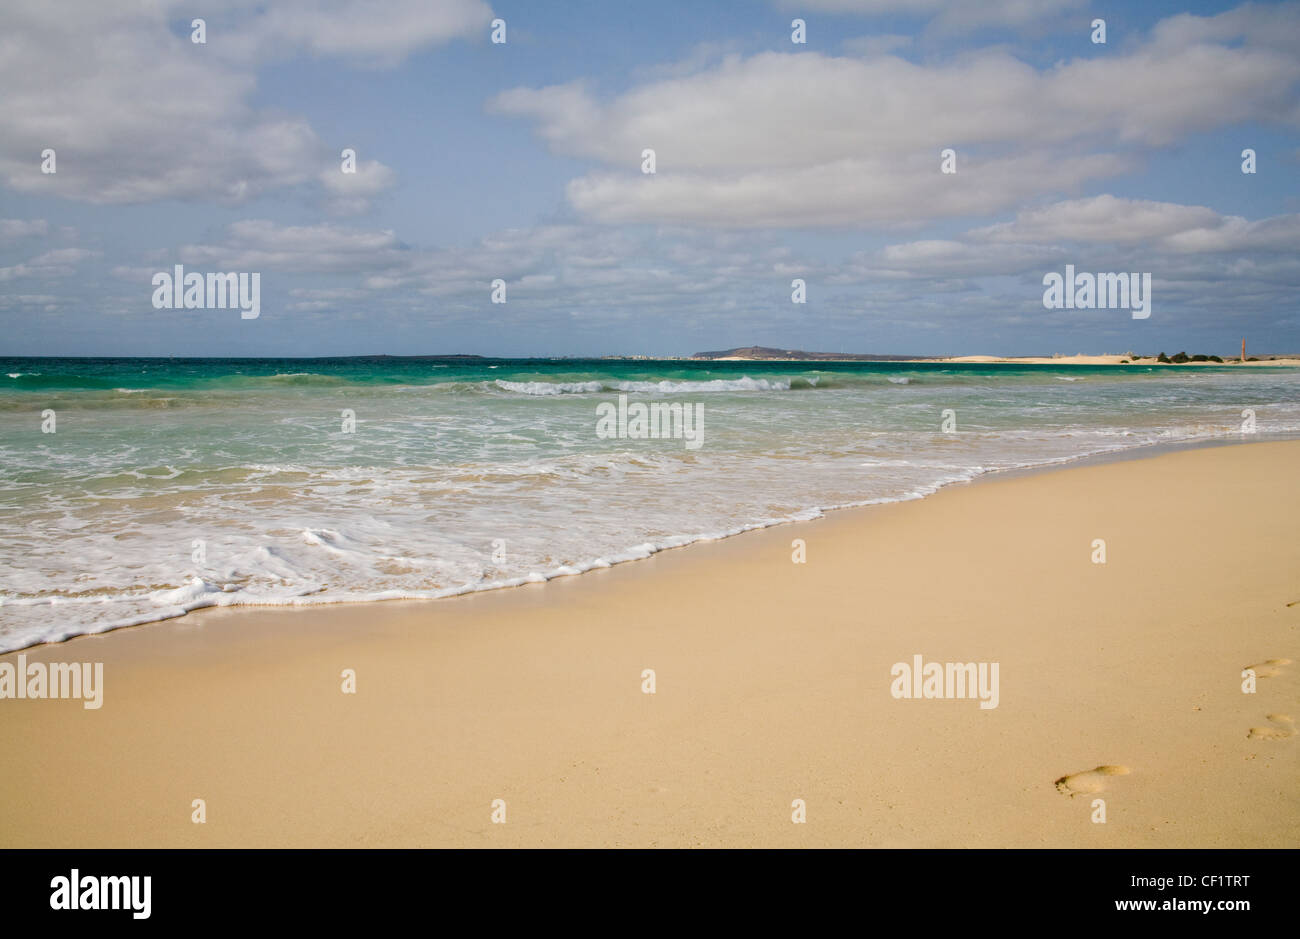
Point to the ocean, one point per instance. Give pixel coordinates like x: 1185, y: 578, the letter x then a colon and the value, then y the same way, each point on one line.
x: 169, y: 485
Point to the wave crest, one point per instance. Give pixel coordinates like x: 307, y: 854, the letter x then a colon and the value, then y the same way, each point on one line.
x: 667, y: 386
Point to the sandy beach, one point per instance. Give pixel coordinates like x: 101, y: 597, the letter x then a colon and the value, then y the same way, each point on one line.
x: 1082, y: 359
x: 772, y: 684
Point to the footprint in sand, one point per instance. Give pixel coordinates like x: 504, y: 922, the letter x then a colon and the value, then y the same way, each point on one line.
x: 1093, y: 780
x: 1269, y: 668
x: 1283, y: 727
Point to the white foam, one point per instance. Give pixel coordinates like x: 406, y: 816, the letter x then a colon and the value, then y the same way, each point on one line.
x: 712, y: 386
x: 414, y: 511
x: 744, y: 383
x: 548, y: 387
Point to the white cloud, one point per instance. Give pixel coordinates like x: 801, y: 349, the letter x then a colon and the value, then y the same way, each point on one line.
x: 350, y: 193
x: 380, y: 32
x: 14, y: 229
x: 808, y: 139
x: 1232, y: 234
x: 262, y: 245
x: 1101, y: 219
x: 51, y: 264
x: 594, y: 279
x: 1162, y: 226
x: 550, y: 270
x: 905, y: 192
x: 44, y: 300
x: 1273, y: 25
x: 1203, y: 263
x: 327, y: 293
x: 950, y: 15
x: 875, y: 45
x: 962, y: 259
x: 138, y: 113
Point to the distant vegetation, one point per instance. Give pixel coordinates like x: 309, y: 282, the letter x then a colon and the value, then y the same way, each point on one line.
x: 1182, y: 357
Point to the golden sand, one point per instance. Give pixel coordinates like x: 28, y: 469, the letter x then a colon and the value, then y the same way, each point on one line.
x: 1119, y: 681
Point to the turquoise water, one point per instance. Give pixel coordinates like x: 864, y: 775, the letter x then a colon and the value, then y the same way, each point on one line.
x: 170, y: 485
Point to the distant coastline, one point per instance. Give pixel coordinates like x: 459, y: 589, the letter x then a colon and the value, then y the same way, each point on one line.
x: 743, y: 354
x: 765, y: 354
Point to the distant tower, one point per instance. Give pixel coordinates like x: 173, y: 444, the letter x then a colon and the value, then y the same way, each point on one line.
x: 1243, y: 348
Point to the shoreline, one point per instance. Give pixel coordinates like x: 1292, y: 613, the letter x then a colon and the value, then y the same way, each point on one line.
x: 1138, y: 451
x: 1280, y: 361
x: 773, y: 683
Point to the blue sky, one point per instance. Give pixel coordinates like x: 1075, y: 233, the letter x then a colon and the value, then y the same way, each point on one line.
x: 521, y: 161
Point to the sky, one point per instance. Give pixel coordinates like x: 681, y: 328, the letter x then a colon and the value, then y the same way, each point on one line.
x: 522, y: 161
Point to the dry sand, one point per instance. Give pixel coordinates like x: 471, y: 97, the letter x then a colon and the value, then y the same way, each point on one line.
x: 773, y: 684
x: 1082, y: 359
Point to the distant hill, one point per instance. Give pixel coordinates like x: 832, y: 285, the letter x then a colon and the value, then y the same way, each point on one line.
x: 766, y: 352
